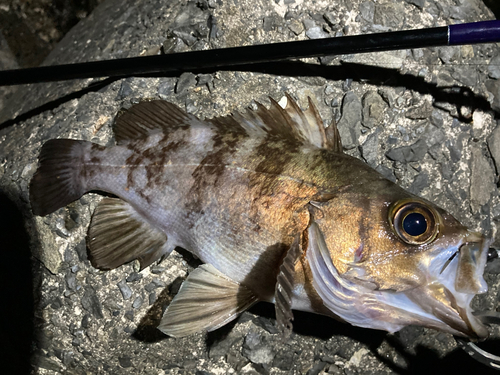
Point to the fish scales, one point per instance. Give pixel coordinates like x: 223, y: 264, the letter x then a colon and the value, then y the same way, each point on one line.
x: 276, y: 211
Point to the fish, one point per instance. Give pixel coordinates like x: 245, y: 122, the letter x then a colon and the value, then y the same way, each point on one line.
x: 275, y: 211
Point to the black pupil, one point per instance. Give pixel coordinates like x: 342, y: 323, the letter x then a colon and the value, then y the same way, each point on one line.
x: 415, y: 224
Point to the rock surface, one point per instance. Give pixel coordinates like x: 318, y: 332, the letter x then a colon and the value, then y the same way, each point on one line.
x: 413, y: 115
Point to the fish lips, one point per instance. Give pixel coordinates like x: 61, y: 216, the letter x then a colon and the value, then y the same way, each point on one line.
x: 449, y: 294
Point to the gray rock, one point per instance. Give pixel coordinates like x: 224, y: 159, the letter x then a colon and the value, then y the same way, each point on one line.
x: 418, y: 3
x: 369, y: 149
x: 455, y: 149
x: 257, y: 350
x: 482, y: 173
x: 186, y: 82
x: 295, y: 26
x: 125, y: 290
x: 90, y: 302
x: 133, y: 277
x: 422, y: 111
x: 166, y: 88
x: 494, y: 67
x: 419, y: 183
x: 317, y: 368
x: 70, y: 280
x: 436, y: 118
x: 406, y: 154
x: 316, y: 32
x: 367, y: 10
x: 433, y: 135
x: 494, y: 146
x: 373, y: 109
x: 449, y: 55
x: 493, y: 86
x: 152, y: 298
x: 137, y: 302
x: 125, y: 361
x: 390, y: 15
x: 386, y: 172
x: 349, y: 125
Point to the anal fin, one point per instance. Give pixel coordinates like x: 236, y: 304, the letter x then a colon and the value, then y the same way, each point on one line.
x: 207, y: 300
x: 118, y: 234
x: 284, y: 289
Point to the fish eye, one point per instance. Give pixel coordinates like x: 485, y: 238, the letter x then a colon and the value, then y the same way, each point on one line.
x: 414, y: 222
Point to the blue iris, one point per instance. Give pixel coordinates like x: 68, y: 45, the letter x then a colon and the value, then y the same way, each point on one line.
x: 415, y: 224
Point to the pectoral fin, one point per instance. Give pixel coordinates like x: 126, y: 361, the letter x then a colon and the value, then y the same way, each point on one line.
x: 118, y: 234
x: 284, y: 289
x: 207, y: 300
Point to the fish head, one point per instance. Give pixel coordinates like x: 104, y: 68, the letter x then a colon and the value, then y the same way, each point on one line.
x: 389, y: 259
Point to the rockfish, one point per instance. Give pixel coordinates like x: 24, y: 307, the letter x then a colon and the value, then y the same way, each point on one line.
x: 268, y: 201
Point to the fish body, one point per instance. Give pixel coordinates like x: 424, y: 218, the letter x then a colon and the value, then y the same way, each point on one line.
x: 275, y: 210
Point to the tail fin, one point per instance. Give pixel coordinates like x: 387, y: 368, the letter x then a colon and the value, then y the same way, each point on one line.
x: 58, y: 180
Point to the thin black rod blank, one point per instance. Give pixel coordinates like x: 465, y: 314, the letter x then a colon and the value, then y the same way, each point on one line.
x: 230, y: 57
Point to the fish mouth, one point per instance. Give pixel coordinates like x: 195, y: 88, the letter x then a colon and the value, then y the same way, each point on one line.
x: 454, y: 282
x: 454, y: 275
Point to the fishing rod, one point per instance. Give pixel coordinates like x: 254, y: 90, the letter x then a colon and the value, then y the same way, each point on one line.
x: 467, y: 33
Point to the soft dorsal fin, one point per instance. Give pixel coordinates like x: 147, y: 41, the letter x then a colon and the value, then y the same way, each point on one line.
x: 290, y: 122
x: 146, y: 117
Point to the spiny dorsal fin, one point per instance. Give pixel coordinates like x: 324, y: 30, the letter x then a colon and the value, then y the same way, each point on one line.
x: 146, y: 117
x: 118, y: 235
x: 289, y: 122
x: 284, y: 289
x: 207, y: 300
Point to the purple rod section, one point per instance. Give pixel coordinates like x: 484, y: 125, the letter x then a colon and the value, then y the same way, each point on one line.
x: 476, y: 32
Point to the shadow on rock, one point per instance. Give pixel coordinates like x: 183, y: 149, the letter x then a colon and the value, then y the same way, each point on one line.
x: 16, y: 280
